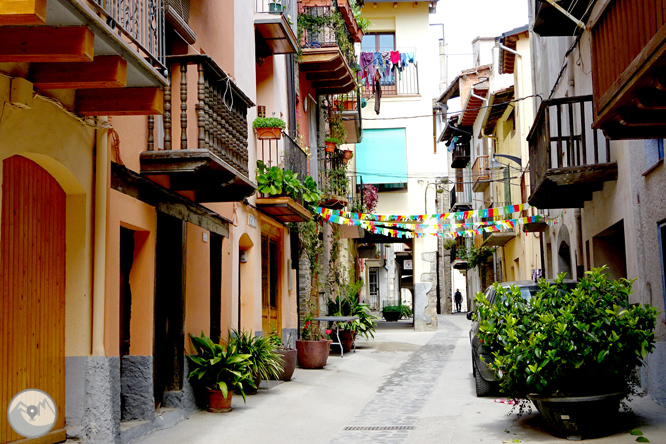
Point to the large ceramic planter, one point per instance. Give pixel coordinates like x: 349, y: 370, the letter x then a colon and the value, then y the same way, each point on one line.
x: 217, y: 403
x: 289, y: 360
x: 312, y: 354
x: 391, y: 316
x: 579, y: 417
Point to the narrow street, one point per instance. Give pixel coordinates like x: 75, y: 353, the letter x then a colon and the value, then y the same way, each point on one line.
x: 403, y: 387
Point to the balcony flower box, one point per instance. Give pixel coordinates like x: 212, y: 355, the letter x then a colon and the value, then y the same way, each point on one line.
x: 268, y: 127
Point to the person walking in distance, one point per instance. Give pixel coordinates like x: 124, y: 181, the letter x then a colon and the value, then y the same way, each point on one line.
x: 457, y: 297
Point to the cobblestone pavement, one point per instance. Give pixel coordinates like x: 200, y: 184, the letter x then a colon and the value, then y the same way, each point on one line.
x: 390, y: 415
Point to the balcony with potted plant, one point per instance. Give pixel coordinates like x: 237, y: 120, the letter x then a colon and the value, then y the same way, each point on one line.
x: 268, y: 128
x: 275, y: 31
x: 327, y: 54
x: 215, y: 168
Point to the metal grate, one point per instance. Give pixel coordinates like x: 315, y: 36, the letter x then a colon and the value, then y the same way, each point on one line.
x: 379, y: 428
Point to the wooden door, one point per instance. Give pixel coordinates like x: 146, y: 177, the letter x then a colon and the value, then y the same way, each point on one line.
x: 32, y: 282
x: 270, y: 286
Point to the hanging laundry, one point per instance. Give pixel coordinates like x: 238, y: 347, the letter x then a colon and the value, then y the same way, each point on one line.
x: 377, y: 60
x: 403, y: 60
x: 395, y: 60
x: 410, y: 57
x: 386, y: 57
x: 378, y: 90
x: 367, y: 69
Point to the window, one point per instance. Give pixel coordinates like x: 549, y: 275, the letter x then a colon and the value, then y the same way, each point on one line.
x: 373, y: 284
x: 381, y: 158
x: 654, y: 153
x: 378, y: 42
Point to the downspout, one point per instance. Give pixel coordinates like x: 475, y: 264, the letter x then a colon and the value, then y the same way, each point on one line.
x: 579, y: 243
x: 100, y: 183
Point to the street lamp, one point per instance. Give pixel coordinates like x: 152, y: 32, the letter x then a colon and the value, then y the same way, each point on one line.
x: 495, y: 165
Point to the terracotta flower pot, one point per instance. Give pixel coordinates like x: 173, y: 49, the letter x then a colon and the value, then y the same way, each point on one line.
x: 312, y: 354
x: 217, y: 403
x: 268, y: 133
x: 330, y: 147
x: 289, y: 358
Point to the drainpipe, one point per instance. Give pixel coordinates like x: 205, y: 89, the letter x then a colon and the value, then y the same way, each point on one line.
x: 99, y: 240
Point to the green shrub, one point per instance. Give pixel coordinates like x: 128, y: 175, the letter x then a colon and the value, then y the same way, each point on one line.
x: 582, y: 342
x: 268, y: 122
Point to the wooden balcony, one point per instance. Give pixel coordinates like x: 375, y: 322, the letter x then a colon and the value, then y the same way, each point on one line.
x: 271, y: 24
x: 217, y: 169
x: 114, y: 60
x: 326, y: 60
x: 629, y: 69
x: 568, y: 159
x: 481, y: 174
x: 460, y: 156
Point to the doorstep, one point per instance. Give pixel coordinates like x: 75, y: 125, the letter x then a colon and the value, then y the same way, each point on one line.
x: 166, y: 417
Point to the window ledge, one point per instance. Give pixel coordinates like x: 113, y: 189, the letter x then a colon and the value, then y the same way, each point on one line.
x: 653, y: 167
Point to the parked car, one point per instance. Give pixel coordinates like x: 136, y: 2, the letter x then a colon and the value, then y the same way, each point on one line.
x: 484, y: 377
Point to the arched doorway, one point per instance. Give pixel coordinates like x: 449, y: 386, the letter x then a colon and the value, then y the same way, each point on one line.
x: 564, y: 253
x: 32, y: 281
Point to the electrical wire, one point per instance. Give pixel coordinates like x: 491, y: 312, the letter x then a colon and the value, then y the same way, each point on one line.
x: 439, y: 113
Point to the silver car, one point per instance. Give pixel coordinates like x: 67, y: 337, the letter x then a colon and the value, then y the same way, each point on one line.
x: 484, y: 377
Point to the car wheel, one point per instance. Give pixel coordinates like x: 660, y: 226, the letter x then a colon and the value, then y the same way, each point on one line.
x: 483, y: 387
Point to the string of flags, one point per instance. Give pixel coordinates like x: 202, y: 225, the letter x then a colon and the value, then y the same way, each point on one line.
x: 459, y: 215
x: 429, y: 225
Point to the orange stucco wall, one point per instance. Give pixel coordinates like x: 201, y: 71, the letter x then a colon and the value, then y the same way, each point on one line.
x: 214, y: 37
x: 197, y: 284
x: 130, y: 213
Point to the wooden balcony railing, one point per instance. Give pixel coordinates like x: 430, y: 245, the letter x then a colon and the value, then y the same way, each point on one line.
x: 480, y: 173
x: 628, y: 39
x: 568, y: 159
x: 460, y: 155
x: 218, y: 157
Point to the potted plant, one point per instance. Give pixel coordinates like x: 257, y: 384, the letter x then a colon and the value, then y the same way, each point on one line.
x: 392, y: 313
x: 573, y: 353
x: 275, y: 6
x: 331, y: 144
x: 348, y: 154
x: 268, y: 127
x: 312, y: 349
x: 287, y: 355
x: 221, y: 369
x: 349, y: 305
x: 265, y: 362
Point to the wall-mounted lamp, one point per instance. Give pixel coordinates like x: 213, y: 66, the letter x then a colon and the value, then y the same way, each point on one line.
x: 495, y: 165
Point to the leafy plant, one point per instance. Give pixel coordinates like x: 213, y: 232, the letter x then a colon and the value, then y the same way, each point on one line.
x: 311, y: 330
x: 370, y: 197
x: 269, y: 180
x: 406, y: 312
x: 275, y: 181
x: 265, y: 363
x: 586, y: 341
x: 332, y: 140
x: 349, y: 305
x: 392, y: 308
x: 220, y: 367
x: 449, y: 244
x: 269, y: 122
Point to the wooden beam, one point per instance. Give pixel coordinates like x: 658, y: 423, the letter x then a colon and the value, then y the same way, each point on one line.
x: 102, y: 72
x: 46, y: 44
x: 120, y: 101
x: 22, y: 12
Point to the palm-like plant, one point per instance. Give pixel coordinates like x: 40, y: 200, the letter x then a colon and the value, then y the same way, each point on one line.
x: 220, y: 367
x: 265, y: 362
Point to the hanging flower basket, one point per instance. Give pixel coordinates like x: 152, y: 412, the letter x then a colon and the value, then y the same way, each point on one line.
x: 348, y: 154
x: 269, y: 133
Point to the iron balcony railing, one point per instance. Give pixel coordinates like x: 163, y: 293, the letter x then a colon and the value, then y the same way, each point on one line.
x: 562, y: 137
x: 395, y: 83
x: 319, y: 31
x: 138, y: 22
x: 284, y: 153
x: 219, y: 111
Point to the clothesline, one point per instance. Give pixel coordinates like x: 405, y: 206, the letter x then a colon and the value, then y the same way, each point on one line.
x: 384, y: 63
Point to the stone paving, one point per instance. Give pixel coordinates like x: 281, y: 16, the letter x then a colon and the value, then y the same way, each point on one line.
x: 401, y: 398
